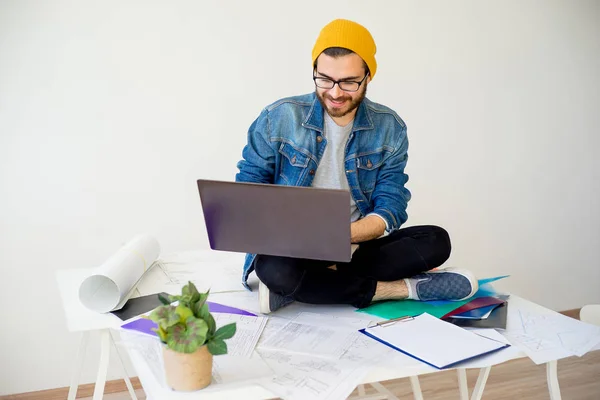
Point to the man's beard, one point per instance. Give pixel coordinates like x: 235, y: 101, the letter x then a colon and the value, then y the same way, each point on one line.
x: 340, y: 112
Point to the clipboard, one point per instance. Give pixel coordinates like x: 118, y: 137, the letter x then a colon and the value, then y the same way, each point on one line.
x: 430, y: 340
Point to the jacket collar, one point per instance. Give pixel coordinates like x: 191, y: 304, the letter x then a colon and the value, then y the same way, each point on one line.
x: 314, y: 120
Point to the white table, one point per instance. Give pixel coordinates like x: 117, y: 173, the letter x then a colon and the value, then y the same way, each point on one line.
x: 379, y: 373
x: 80, y: 319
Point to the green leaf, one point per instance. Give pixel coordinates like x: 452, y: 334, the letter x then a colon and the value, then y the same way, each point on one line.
x: 161, y: 334
x: 197, y: 327
x: 204, y: 312
x: 172, y: 320
x: 164, y: 316
x: 203, y: 298
x: 212, y: 325
x: 210, y: 321
x: 175, y: 298
x: 180, y: 340
x: 199, y: 308
x: 161, y: 312
x: 189, y: 289
x: 217, y: 347
x: 186, y: 300
x: 188, y: 337
x: 225, y: 332
x: 195, y: 298
x: 164, y: 299
x: 193, y: 288
x: 184, y: 313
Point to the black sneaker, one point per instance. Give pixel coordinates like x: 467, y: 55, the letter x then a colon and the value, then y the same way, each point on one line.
x: 269, y: 301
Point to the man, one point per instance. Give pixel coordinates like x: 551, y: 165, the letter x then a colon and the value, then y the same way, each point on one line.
x: 337, y: 138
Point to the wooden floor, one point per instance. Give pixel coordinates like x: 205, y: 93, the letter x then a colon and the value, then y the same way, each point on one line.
x: 515, y: 380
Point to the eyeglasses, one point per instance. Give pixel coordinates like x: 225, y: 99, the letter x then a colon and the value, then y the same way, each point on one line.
x: 346, y: 86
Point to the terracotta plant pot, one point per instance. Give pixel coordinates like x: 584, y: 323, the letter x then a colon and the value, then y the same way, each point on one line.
x: 188, y: 372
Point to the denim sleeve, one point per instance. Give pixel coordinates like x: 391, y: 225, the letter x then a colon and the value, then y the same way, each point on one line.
x: 390, y: 196
x: 387, y: 226
x: 258, y: 157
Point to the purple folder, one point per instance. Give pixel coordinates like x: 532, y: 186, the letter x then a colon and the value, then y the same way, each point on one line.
x: 144, y: 325
x: 221, y: 308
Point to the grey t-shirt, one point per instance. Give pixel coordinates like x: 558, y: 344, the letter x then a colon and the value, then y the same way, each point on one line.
x: 331, y: 172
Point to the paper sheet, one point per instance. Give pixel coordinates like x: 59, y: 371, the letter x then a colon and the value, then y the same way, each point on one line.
x: 317, y: 340
x: 497, y: 357
x: 545, y: 335
x: 538, y: 350
x: 227, y: 369
x: 301, y: 377
x: 217, y: 275
x: 149, y: 349
x: 361, y: 349
x: 273, y: 325
x: 532, y: 328
x: 113, y: 282
x: 574, y: 336
x: 327, y: 320
x: 248, y: 331
x: 242, y: 344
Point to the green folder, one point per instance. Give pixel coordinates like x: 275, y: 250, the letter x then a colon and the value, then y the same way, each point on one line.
x: 401, y: 308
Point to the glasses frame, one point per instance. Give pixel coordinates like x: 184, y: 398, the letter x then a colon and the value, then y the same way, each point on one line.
x: 338, y: 82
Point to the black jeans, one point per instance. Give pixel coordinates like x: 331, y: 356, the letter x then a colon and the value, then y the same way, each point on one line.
x: 402, y: 254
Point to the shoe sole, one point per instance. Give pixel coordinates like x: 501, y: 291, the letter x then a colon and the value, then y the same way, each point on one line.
x: 263, y: 298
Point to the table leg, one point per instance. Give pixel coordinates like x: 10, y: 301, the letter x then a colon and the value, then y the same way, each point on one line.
x: 362, y: 394
x: 382, y: 389
x: 361, y: 390
x: 552, y: 378
x: 463, y: 386
x: 103, y: 364
x: 416, y: 387
x: 484, y: 373
x: 125, y: 374
x: 75, y: 375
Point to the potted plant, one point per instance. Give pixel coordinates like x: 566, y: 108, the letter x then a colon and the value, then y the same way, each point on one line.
x: 190, y: 338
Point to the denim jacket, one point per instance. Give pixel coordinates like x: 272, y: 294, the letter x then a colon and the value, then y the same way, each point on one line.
x: 285, y: 145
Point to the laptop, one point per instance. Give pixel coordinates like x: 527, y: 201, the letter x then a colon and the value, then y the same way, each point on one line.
x: 289, y: 221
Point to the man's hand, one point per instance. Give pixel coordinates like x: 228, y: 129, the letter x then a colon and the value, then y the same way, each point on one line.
x: 368, y: 228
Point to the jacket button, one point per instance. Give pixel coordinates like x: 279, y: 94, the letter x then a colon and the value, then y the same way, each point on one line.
x: 312, y: 172
x: 319, y: 139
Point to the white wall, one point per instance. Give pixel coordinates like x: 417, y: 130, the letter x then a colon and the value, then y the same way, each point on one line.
x: 109, y: 112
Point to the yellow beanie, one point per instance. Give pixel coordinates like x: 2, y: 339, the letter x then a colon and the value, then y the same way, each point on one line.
x: 349, y: 35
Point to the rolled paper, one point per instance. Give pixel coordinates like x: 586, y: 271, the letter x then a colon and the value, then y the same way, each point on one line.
x: 113, y: 282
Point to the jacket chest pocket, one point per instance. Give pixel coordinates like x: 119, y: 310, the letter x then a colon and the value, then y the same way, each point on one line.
x: 368, y: 167
x: 293, y: 163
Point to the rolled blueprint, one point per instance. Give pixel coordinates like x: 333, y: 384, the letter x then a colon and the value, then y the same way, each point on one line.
x: 113, y: 282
